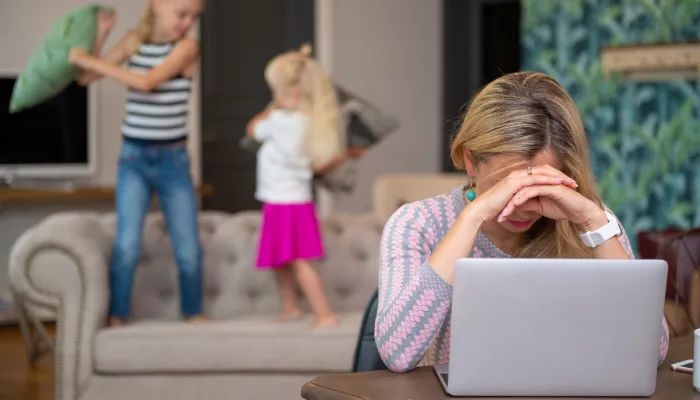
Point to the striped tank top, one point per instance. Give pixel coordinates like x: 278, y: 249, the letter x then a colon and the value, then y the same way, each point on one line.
x: 159, y: 116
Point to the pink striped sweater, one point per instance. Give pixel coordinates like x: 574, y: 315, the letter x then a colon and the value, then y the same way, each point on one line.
x: 412, y: 326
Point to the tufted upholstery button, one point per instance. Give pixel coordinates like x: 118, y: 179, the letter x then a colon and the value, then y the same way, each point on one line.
x: 379, y: 228
x: 361, y: 255
x: 159, y: 225
x: 232, y: 258
x: 208, y: 228
x: 166, y: 293
x: 253, y: 294
x: 213, y: 291
x: 334, y: 227
x: 343, y: 292
x: 252, y: 229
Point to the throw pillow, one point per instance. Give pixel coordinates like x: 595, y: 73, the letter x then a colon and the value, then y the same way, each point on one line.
x: 48, y: 72
x: 364, y: 124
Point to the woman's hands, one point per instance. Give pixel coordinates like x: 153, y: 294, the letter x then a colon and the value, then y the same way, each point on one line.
x: 496, y: 201
x: 557, y: 202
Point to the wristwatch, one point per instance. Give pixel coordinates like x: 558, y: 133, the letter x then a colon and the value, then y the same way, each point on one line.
x: 601, y: 235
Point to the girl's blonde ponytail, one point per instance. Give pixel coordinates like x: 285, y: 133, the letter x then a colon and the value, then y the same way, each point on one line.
x: 297, y: 70
x: 323, y: 138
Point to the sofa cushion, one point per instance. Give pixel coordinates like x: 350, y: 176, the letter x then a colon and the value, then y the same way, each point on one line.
x: 247, y: 344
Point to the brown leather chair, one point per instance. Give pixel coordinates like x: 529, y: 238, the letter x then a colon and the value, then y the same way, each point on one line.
x: 681, y: 250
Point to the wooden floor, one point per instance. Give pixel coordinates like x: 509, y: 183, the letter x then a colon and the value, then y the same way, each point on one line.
x: 18, y: 380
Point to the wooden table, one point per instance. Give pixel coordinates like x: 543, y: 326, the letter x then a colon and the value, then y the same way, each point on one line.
x: 422, y: 384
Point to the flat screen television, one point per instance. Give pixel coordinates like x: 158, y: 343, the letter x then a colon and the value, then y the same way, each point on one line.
x: 53, y: 140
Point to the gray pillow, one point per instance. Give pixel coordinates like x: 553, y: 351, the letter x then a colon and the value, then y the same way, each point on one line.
x: 365, y: 125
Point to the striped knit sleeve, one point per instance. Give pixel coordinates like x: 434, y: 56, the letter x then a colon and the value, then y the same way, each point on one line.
x: 413, y: 299
x: 663, y: 346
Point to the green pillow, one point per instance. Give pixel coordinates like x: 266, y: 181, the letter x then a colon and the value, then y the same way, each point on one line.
x: 47, y: 73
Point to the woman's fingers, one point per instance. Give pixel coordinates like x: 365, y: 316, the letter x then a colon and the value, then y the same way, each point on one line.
x: 531, y: 192
x: 551, y: 171
x: 516, y: 183
x: 529, y: 205
x: 524, y: 199
x: 526, y: 194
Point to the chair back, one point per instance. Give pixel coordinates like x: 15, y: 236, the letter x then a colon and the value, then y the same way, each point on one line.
x: 681, y: 250
x: 367, y: 356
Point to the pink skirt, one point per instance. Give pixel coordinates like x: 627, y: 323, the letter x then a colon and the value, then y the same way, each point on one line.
x: 289, y: 232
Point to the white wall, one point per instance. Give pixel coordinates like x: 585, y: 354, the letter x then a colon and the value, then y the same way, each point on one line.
x: 389, y: 52
x: 23, y: 23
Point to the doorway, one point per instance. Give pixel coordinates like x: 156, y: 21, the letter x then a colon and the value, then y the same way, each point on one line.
x: 238, y: 38
x: 481, y: 40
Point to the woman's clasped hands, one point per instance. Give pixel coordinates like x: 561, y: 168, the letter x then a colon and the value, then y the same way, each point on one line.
x: 541, y: 190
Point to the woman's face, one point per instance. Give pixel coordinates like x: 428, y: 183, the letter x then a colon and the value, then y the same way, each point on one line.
x: 496, y: 168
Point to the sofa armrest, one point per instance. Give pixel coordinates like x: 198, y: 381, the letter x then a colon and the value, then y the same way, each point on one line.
x: 62, y: 263
x: 391, y: 191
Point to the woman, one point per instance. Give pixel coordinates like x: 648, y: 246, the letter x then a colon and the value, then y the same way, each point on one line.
x: 161, y: 64
x: 530, y: 194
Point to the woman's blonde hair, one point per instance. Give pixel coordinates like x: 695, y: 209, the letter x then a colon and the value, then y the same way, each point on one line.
x: 296, y: 70
x: 522, y: 114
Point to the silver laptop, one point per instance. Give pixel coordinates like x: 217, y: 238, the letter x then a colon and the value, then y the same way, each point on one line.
x: 546, y: 327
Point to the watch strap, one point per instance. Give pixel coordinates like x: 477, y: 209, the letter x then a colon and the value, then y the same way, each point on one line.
x: 603, y: 234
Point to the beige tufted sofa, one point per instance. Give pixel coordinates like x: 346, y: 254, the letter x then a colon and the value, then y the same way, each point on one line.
x: 62, y: 264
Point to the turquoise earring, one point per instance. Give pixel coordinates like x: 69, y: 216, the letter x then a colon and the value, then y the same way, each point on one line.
x: 470, y: 194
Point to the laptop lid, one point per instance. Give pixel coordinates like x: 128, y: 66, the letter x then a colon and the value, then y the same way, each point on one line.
x: 556, y: 327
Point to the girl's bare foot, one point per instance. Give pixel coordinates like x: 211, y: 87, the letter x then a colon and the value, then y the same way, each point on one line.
x: 324, y: 321
x: 198, y: 318
x: 114, y: 322
x: 289, y: 316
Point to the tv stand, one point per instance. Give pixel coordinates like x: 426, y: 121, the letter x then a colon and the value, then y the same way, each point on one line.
x: 7, y: 180
x: 12, y: 194
x: 11, y: 182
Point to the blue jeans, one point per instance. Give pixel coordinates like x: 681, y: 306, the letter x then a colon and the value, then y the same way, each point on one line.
x: 142, y: 171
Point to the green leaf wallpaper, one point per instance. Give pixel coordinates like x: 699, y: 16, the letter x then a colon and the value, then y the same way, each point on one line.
x: 644, y: 137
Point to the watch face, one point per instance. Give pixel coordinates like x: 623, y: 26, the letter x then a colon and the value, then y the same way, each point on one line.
x: 596, y: 238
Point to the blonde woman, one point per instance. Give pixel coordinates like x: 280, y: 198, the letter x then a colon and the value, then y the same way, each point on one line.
x: 299, y: 134
x: 530, y: 194
x: 153, y: 158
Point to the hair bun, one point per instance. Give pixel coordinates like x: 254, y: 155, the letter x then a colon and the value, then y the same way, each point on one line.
x: 305, y: 49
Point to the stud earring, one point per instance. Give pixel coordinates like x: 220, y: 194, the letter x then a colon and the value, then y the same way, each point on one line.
x: 470, y: 194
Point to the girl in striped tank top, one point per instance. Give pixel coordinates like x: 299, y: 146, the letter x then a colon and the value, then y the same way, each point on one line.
x: 161, y: 62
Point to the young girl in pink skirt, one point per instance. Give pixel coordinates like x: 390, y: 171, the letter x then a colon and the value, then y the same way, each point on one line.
x: 299, y: 134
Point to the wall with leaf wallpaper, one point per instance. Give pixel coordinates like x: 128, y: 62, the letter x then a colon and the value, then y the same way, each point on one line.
x: 645, y: 137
